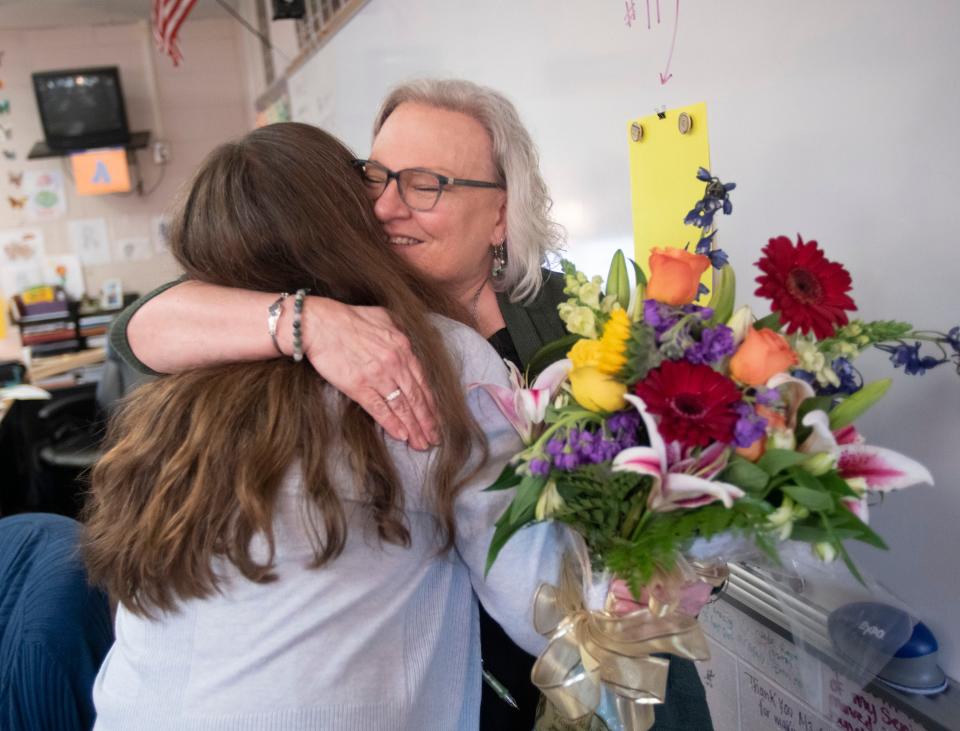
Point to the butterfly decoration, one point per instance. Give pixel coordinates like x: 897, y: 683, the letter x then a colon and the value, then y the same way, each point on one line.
x: 15, y: 178
x: 16, y: 202
x: 17, y: 250
x: 10, y: 154
x: 5, y: 106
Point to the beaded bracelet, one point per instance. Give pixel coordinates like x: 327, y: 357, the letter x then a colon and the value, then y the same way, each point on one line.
x: 273, y: 317
x: 297, y: 335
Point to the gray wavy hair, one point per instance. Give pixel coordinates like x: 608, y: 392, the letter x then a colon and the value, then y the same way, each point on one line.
x: 531, y: 234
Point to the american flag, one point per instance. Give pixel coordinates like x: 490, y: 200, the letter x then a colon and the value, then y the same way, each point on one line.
x: 167, y: 17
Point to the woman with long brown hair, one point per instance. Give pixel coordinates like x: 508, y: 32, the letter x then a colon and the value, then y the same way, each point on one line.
x: 278, y: 561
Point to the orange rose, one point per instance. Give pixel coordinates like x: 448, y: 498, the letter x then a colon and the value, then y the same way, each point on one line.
x: 761, y: 355
x: 675, y: 276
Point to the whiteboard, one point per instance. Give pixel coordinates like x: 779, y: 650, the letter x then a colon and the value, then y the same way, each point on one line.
x: 836, y: 118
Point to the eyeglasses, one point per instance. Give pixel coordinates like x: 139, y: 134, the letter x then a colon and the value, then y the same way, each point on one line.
x: 419, y: 189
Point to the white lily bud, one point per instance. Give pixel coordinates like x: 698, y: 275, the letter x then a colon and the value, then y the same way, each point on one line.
x: 819, y: 463
x: 858, y: 485
x: 549, y: 503
x: 740, y: 322
x: 782, y: 518
x: 824, y: 551
x: 782, y: 514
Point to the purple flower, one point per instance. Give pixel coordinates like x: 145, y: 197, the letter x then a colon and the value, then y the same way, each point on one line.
x: 953, y: 337
x: 659, y: 316
x: 909, y: 357
x: 767, y: 396
x: 749, y: 427
x: 540, y: 467
x: 850, y: 379
x: 715, y: 343
x: 555, y: 446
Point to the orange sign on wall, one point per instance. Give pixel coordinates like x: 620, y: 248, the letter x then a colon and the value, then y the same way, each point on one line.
x: 101, y: 171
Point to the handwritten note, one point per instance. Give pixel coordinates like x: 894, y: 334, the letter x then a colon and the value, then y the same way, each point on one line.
x: 764, y: 706
x: 775, y: 657
x: 854, y: 709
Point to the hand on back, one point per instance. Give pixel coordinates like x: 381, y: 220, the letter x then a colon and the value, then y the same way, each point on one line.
x: 361, y: 353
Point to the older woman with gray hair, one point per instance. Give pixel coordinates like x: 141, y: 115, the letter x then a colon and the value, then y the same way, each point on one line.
x: 453, y: 177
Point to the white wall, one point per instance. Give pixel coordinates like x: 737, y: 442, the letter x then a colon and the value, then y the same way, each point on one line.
x: 836, y: 119
x: 199, y: 104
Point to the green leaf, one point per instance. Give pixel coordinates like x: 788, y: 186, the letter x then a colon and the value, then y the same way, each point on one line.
x: 744, y: 474
x: 550, y: 353
x: 855, y: 405
x: 508, y: 478
x: 528, y: 492
x: 860, y: 531
x: 775, y: 461
x: 501, y: 534
x: 841, y: 549
x: 837, y: 485
x: 638, y: 271
x: 771, y: 322
x: 812, y: 499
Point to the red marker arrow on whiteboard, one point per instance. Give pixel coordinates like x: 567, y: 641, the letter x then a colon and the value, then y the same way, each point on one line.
x: 665, y: 75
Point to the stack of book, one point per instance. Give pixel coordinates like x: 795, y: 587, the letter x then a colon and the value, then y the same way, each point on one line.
x: 47, y: 327
x: 94, y: 327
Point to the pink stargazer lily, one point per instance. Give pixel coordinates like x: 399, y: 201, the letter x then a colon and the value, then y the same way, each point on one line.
x: 526, y: 407
x: 877, y: 468
x: 680, y: 479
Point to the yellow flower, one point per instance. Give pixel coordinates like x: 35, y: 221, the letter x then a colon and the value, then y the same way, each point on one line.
x: 585, y: 353
x: 595, y: 390
x: 613, y: 343
x: 608, y: 354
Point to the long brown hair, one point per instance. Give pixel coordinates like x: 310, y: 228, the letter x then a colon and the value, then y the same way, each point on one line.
x: 195, y: 460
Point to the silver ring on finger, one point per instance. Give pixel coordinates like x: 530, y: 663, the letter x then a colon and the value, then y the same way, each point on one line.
x: 393, y: 395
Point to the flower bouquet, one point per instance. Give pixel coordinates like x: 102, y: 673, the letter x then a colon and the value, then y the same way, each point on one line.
x: 662, y: 430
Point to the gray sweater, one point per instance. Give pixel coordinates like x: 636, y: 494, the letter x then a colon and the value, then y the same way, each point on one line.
x: 383, y: 637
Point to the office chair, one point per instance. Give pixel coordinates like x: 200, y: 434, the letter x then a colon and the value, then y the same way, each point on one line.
x: 72, y: 429
x: 55, y: 630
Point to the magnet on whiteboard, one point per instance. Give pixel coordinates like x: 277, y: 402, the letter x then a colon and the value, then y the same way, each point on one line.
x: 684, y: 123
x: 636, y: 132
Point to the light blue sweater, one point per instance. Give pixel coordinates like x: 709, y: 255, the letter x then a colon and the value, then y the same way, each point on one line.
x: 381, y: 638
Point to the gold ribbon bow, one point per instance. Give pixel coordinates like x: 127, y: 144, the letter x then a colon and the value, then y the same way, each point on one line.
x: 591, y: 649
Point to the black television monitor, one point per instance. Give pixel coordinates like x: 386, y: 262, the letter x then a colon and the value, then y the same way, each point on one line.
x: 81, y: 109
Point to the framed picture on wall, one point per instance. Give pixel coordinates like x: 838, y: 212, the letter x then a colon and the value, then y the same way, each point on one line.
x: 111, y: 294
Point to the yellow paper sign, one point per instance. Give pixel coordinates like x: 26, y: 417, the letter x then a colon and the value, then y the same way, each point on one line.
x: 101, y: 171
x: 663, y: 178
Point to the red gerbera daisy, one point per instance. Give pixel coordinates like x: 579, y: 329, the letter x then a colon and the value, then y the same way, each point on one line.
x: 807, y: 289
x: 694, y: 402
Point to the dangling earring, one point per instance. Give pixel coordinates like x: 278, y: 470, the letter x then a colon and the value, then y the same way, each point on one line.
x: 499, y: 252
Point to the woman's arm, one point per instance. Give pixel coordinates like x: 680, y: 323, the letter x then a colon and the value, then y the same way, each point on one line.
x: 358, y: 350
x: 533, y: 555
